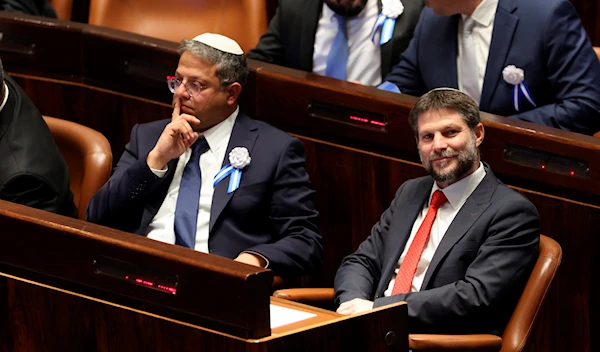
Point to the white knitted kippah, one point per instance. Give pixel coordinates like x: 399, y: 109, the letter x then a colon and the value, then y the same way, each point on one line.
x: 220, y: 42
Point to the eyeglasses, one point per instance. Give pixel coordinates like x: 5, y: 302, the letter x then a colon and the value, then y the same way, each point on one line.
x: 193, y: 88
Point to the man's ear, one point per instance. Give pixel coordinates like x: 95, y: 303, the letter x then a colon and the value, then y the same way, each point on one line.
x: 233, y: 91
x: 479, y: 134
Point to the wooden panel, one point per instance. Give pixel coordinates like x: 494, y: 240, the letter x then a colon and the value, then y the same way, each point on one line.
x: 62, y: 250
x: 356, y: 170
x: 40, y: 318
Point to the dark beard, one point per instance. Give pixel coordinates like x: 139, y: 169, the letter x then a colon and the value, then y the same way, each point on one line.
x: 351, y: 8
x: 466, y: 160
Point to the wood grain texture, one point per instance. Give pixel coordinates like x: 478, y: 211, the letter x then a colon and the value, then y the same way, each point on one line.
x: 356, y: 171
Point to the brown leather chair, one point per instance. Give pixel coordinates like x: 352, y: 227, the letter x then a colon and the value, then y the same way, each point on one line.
x: 63, y: 8
x: 88, y: 155
x: 517, y: 331
x: 174, y: 20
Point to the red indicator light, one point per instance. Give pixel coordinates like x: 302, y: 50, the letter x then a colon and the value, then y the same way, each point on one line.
x: 139, y: 281
x: 543, y: 166
x: 572, y: 173
x: 377, y: 123
x: 360, y: 119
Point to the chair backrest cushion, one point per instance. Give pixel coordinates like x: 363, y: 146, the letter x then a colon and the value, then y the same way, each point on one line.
x: 88, y: 155
x: 242, y: 20
x: 521, y: 322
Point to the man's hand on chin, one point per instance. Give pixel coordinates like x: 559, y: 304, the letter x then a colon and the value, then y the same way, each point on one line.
x: 251, y: 259
x: 354, y: 306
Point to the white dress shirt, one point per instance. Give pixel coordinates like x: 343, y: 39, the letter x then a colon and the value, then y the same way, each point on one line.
x: 5, y: 97
x: 483, y: 16
x: 457, y: 194
x: 364, y: 58
x: 161, y: 227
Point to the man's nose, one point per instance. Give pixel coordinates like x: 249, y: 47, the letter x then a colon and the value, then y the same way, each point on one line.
x: 182, y: 92
x: 439, y: 142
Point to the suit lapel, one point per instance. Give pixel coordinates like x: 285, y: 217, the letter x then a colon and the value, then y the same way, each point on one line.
x: 466, y: 217
x: 312, y: 12
x: 244, y: 134
x: 447, y: 46
x: 387, y: 49
x: 401, y: 228
x: 505, y: 24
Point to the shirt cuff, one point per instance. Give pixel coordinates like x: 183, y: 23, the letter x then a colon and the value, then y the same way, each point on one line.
x: 260, y: 255
x: 389, y: 86
x: 160, y: 173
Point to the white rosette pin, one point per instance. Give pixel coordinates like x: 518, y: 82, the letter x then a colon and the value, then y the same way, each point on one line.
x: 516, y: 77
x: 239, y: 158
x: 390, y: 10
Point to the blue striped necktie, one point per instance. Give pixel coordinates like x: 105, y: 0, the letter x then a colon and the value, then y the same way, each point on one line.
x: 186, y: 211
x: 337, y: 59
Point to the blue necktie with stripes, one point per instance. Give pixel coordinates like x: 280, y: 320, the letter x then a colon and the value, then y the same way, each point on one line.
x: 337, y: 59
x: 188, y: 199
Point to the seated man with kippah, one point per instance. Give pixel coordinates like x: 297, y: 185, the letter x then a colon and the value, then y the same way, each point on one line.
x: 211, y: 178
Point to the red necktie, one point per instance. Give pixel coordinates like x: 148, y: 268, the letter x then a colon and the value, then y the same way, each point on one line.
x: 408, y: 267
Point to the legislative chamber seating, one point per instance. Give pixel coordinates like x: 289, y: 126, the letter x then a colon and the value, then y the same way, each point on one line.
x: 359, y: 148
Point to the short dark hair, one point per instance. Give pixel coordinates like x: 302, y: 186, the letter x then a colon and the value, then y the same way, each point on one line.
x: 445, y: 99
x: 231, y: 68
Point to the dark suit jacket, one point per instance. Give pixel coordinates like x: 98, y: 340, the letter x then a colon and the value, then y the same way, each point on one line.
x: 271, y: 213
x: 32, y: 7
x: 543, y: 37
x: 290, y: 39
x: 477, y: 272
x: 32, y: 169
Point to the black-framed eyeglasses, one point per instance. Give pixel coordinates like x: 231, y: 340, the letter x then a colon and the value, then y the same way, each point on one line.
x: 193, y: 88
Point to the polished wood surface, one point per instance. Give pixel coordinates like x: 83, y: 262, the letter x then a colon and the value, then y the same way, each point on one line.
x: 355, y: 170
x: 74, y: 254
x: 53, y: 299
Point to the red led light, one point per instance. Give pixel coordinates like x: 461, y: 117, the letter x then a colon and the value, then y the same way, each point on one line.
x: 543, y: 166
x: 360, y: 119
x: 572, y: 173
x: 377, y: 123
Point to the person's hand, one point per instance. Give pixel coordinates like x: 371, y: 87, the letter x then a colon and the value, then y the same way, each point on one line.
x: 354, y: 306
x: 175, y: 139
x: 251, y: 259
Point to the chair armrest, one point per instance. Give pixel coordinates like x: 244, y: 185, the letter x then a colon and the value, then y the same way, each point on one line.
x: 306, y: 295
x: 479, y: 342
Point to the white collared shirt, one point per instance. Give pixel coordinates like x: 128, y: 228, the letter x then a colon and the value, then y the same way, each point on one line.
x: 161, y: 227
x: 364, y: 55
x: 5, y: 97
x: 483, y: 16
x: 457, y: 194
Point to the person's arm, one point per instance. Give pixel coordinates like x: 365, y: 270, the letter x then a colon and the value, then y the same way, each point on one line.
x: 502, y: 265
x: 360, y: 272
x: 124, y: 192
x: 120, y: 202
x: 295, y: 223
x: 33, y: 191
x: 269, y: 48
x: 406, y: 75
x: 573, y: 72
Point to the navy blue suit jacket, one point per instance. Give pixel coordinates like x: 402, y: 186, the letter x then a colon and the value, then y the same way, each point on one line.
x: 290, y: 39
x: 271, y: 213
x: 543, y: 37
x: 477, y: 273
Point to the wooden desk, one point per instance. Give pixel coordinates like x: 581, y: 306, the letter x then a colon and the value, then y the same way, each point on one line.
x: 109, y: 80
x: 55, y: 297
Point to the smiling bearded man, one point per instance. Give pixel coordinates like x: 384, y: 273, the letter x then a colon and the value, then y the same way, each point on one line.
x: 458, y: 245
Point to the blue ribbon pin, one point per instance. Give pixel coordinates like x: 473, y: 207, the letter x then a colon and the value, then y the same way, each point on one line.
x: 520, y: 90
x: 234, y: 180
x: 387, y: 29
